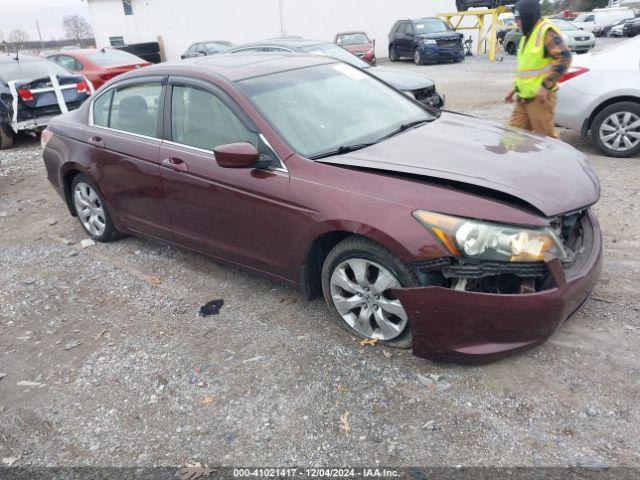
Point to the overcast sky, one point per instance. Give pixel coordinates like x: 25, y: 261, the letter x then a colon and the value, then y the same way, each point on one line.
x: 24, y: 13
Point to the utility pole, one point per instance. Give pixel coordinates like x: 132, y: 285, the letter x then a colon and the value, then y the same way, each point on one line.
x: 39, y: 34
x: 283, y: 31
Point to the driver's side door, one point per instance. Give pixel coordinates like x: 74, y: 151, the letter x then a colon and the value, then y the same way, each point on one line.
x: 240, y: 214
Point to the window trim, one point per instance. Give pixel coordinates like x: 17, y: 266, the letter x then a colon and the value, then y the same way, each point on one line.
x: 244, y: 49
x: 161, y: 79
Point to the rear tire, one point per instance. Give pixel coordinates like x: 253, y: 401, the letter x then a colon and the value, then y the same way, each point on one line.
x: 383, y: 265
x: 6, y: 137
x: 92, y: 210
x: 618, y: 121
x: 393, y: 54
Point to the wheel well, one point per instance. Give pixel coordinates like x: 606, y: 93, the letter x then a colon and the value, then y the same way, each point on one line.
x: 312, y: 269
x: 67, y: 180
x: 603, y: 105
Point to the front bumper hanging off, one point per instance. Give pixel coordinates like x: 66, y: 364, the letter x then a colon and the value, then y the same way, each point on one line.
x: 472, y: 327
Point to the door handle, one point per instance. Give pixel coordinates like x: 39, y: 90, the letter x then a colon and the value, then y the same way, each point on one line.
x: 96, y: 142
x: 175, y: 164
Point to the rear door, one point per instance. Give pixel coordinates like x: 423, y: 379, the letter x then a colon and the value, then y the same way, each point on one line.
x: 124, y: 133
x: 236, y: 214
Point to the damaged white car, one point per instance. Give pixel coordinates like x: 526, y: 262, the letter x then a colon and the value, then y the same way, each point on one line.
x: 32, y: 91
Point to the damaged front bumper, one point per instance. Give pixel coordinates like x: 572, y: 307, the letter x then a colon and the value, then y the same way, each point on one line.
x: 476, y: 327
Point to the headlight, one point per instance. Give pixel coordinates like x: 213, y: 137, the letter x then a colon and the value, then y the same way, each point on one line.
x: 491, y: 241
x: 430, y: 42
x: 565, y: 37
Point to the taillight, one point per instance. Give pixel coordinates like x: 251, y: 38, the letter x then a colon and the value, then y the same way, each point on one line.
x: 107, y: 76
x: 45, y: 136
x: 25, y: 94
x: 82, y: 87
x: 572, y: 73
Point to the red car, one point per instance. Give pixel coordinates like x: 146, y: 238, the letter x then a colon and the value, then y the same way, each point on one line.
x: 461, y: 238
x: 99, y: 66
x: 359, y: 44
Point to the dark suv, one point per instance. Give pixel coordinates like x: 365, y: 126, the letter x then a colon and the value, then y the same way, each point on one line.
x: 632, y: 28
x: 426, y: 40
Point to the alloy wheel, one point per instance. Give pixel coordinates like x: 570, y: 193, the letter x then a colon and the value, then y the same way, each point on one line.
x: 620, y: 131
x: 90, y: 209
x: 417, y: 58
x: 360, y: 290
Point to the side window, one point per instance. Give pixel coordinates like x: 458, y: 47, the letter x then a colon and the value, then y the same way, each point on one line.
x: 101, y: 109
x: 408, y: 28
x: 590, y: 18
x: 275, y: 49
x: 193, y: 48
x: 135, y: 109
x: 202, y: 120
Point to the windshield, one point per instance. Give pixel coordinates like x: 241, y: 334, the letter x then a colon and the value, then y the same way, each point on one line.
x: 319, y: 109
x: 564, y: 26
x: 28, y: 69
x: 584, y: 18
x: 333, y: 51
x: 113, y: 57
x: 430, y: 25
x: 353, y: 39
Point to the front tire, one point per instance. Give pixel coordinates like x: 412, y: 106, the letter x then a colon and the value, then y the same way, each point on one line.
x: 510, y: 48
x: 616, y: 130
x: 92, y: 211
x: 417, y: 57
x: 357, y: 278
x: 461, y: 5
x: 6, y: 137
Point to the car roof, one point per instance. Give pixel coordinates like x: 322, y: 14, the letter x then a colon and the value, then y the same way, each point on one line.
x: 287, y: 42
x: 236, y: 67
x: 351, y: 32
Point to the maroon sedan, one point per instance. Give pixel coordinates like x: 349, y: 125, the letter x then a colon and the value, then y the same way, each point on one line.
x: 459, y: 237
x: 359, y: 44
x: 99, y: 66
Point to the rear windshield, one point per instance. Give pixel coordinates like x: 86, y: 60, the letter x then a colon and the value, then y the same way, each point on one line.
x: 29, y: 69
x: 430, y: 25
x: 113, y: 57
x: 564, y: 26
x: 352, y: 39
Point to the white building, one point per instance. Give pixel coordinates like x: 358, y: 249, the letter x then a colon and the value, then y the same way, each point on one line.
x: 181, y: 23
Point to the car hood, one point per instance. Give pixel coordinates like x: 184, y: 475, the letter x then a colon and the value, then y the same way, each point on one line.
x: 441, y: 35
x: 401, y: 80
x: 358, y: 48
x: 548, y: 174
x: 577, y: 33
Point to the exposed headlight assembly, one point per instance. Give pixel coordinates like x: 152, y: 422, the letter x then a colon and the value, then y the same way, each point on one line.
x: 429, y: 41
x: 491, y: 241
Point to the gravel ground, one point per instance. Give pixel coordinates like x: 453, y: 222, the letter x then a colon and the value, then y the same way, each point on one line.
x: 125, y: 372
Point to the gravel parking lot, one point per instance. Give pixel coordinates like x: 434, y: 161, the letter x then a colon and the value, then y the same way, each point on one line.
x: 121, y: 370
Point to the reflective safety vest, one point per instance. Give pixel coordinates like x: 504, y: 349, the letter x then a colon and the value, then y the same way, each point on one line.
x: 533, y: 67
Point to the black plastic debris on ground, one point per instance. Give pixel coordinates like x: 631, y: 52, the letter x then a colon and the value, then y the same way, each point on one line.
x: 211, y: 308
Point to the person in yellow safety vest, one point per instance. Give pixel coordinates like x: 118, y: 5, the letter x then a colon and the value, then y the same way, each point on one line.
x: 543, y: 58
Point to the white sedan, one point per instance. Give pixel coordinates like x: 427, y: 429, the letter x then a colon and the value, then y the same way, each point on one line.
x: 601, y: 94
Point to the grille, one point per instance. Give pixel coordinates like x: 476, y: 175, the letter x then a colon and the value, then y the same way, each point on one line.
x: 449, y: 43
x: 582, y: 39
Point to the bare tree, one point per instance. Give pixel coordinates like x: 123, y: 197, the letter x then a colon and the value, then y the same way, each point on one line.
x: 18, y: 36
x: 76, y: 27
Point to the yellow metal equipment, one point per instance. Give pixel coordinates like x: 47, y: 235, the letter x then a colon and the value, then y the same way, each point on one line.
x: 487, y: 41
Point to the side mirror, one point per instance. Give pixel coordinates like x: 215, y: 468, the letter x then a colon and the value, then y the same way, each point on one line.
x: 236, y: 155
